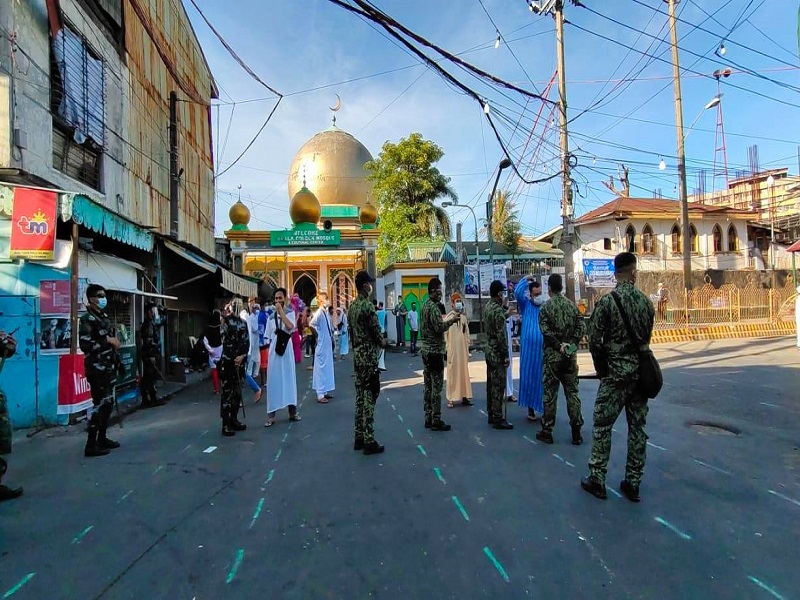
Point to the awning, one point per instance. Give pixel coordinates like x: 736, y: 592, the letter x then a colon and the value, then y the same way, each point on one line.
x: 145, y: 294
x: 238, y: 285
x: 101, y: 220
x: 794, y: 247
x: 191, y: 257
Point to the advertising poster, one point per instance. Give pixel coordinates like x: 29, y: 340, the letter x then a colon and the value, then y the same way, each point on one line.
x: 74, y: 394
x: 33, y: 224
x: 599, y: 273
x: 487, y: 275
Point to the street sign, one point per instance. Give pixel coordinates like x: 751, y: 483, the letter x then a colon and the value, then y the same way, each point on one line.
x: 304, y: 237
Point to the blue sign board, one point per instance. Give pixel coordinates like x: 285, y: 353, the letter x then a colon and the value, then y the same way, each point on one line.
x: 599, y: 273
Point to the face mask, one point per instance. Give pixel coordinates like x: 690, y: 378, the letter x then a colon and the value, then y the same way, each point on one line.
x: 539, y: 300
x: 368, y: 289
x: 459, y: 306
x: 102, y: 303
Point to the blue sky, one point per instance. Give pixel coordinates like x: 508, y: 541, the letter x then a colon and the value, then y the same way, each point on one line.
x: 310, y: 50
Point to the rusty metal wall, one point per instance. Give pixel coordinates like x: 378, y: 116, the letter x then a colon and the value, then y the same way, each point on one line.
x: 164, y: 55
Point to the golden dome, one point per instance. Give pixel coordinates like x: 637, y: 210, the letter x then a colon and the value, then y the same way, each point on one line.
x: 368, y: 214
x: 239, y: 215
x: 304, y: 207
x: 332, y: 165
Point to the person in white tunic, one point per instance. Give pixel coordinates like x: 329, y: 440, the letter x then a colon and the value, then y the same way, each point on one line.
x: 323, y: 378
x: 281, y: 379
x: 511, y: 322
x: 344, y: 334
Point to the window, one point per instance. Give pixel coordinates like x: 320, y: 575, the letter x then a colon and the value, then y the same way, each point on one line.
x: 630, y: 239
x: 648, y: 240
x: 77, y: 103
x: 717, y: 235
x: 606, y: 243
x: 692, y: 238
x: 676, y: 239
x: 733, y: 239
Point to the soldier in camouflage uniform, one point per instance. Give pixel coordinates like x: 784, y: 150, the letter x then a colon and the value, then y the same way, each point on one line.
x: 432, y: 326
x: 99, y: 344
x: 616, y: 361
x: 151, y: 352
x: 235, y: 346
x: 496, y: 352
x: 367, y: 339
x: 562, y: 329
x: 8, y: 346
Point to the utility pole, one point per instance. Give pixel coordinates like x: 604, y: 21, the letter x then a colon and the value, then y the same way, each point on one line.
x: 686, y: 234
x: 567, y: 227
x: 73, y: 290
x: 174, y: 178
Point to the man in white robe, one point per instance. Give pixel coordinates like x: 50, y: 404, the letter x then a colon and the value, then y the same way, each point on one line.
x: 323, y: 378
x: 281, y: 376
x: 511, y: 323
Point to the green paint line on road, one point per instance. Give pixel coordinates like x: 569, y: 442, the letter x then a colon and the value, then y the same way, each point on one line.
x: 236, y: 564
x: 278, y: 455
x: 421, y: 449
x: 461, y: 508
x: 17, y: 587
x: 257, y: 513
x: 767, y: 588
x: 158, y: 469
x: 125, y: 495
x: 290, y: 425
x: 205, y: 432
x: 400, y: 418
x: 673, y: 529
x: 285, y: 435
x: 527, y: 439
x: 270, y: 475
x: 439, y: 475
x: 496, y: 563
x: 411, y: 435
x: 82, y: 534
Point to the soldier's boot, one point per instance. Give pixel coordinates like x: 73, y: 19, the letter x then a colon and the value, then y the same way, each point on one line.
x: 630, y: 491
x: 502, y: 424
x: 594, y: 487
x: 107, y: 443
x: 92, y: 448
x: 373, y: 447
x: 544, y: 436
x: 227, y: 424
x: 236, y: 425
x: 103, y: 441
x: 358, y: 444
x: 577, y: 438
x: 428, y: 422
x: 439, y: 425
x: 7, y: 493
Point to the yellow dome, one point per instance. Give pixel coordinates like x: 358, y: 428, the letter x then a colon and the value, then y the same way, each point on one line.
x: 332, y: 165
x: 368, y: 214
x: 304, y: 207
x: 239, y: 214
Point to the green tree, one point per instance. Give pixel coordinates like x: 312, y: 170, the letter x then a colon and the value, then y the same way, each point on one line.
x: 407, y: 186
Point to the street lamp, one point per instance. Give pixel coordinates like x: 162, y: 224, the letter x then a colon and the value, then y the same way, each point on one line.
x: 713, y: 103
x: 771, y: 186
x: 504, y: 164
x: 455, y: 204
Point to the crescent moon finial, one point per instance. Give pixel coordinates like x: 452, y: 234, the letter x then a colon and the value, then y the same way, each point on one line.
x: 338, y: 104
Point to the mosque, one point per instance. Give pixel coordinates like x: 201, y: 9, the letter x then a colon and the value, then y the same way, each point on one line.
x: 335, y: 227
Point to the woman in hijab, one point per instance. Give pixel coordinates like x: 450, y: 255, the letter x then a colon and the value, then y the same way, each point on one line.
x: 297, y: 336
x: 459, y: 387
x: 344, y: 333
x: 212, y: 340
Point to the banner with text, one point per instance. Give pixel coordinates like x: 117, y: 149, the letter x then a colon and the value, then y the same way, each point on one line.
x: 599, y: 273
x: 74, y: 394
x: 488, y: 273
x: 33, y: 224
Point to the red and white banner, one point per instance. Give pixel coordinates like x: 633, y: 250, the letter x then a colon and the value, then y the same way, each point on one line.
x: 74, y: 394
x: 33, y: 224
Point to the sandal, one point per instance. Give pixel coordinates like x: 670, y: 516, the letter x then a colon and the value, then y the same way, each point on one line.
x: 294, y: 417
x: 269, y: 423
x: 322, y: 400
x: 450, y: 404
x: 257, y: 397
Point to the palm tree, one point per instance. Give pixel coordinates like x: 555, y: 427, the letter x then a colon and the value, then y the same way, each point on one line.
x: 506, y: 227
x: 432, y: 220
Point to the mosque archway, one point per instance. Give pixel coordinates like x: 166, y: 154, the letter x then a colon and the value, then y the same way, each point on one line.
x: 305, y: 285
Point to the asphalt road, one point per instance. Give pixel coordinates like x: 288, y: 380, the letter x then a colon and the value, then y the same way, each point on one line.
x: 180, y: 512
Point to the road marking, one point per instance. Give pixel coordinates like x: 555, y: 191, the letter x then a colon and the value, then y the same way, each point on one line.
x: 656, y: 446
x: 483, y: 412
x: 278, y: 455
x: 461, y: 508
x: 566, y: 462
x: 236, y: 564
x: 767, y: 588
x: 186, y: 448
x: 258, y: 512
x: 400, y: 418
x: 411, y: 435
x: 478, y: 441
x: 674, y: 529
x: 769, y: 404
x: 269, y: 476
x: 792, y: 500
x: 77, y: 539
x: 439, y: 475
x: 712, y: 467
x: 496, y: 563
x: 125, y: 495
x: 613, y: 491
x: 595, y: 554
x: 394, y: 407
x: 209, y: 450
x: 421, y: 449
x: 158, y: 469
x: 202, y: 434
x: 527, y: 439
x: 290, y: 424
x: 285, y: 435
x: 17, y: 587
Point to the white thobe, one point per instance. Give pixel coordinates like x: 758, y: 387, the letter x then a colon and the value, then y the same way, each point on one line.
x: 281, y: 379
x: 510, y: 371
x: 254, y: 355
x: 323, y: 379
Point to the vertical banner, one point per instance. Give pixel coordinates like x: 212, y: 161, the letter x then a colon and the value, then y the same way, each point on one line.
x: 33, y: 224
x: 74, y: 394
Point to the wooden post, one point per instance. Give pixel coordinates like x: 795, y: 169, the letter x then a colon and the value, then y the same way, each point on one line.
x: 73, y: 291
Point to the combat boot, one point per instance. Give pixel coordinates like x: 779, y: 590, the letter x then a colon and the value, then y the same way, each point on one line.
x: 7, y: 493
x: 544, y: 436
x: 228, y: 430
x: 502, y: 424
x: 577, y: 438
x: 427, y: 423
x: 373, y: 447
x: 594, y: 487
x: 92, y: 448
x: 439, y: 425
x: 630, y: 491
x: 237, y: 425
x: 358, y: 444
x: 107, y: 443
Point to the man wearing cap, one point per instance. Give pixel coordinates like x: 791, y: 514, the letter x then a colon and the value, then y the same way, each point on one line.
x: 562, y: 330
x: 151, y: 352
x: 433, y: 325
x: 616, y: 361
x: 531, y: 354
x: 367, y: 339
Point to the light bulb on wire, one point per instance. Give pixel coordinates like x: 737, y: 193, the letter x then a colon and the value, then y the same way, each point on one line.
x: 497, y: 42
x: 662, y: 166
x: 486, y: 109
x: 722, y: 50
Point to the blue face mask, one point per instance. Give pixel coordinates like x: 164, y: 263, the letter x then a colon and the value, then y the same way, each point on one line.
x: 102, y: 303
